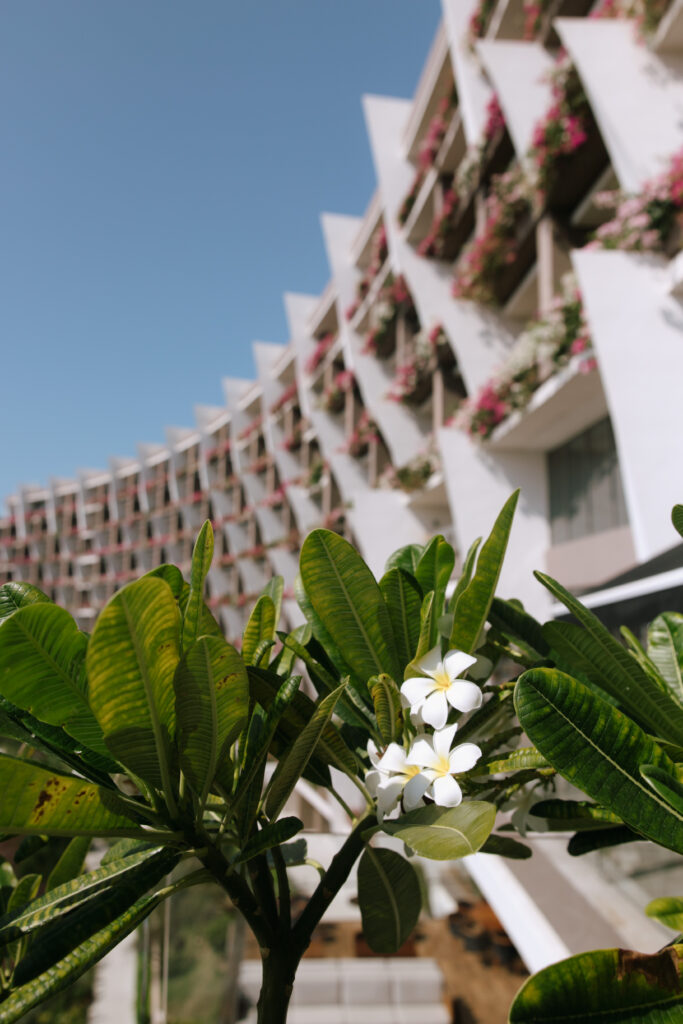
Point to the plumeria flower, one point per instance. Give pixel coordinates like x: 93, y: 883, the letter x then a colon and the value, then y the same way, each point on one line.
x: 438, y: 763
x: 392, y: 777
x: 429, y: 698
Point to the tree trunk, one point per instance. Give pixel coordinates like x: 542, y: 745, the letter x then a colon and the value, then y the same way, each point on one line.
x: 276, y: 987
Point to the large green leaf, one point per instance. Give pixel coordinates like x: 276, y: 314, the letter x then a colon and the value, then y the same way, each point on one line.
x: 273, y: 834
x: 405, y: 558
x: 665, y: 650
x: 668, y: 910
x: 471, y: 609
x: 323, y: 680
x: 605, y: 987
x: 290, y: 769
x: 15, y: 595
x: 571, y: 650
x: 264, y: 687
x: 201, y: 563
x: 260, y: 627
x: 403, y: 600
x: 389, y: 897
x: 504, y: 846
x: 42, y: 654
x: 518, y: 625
x: 71, y: 862
x: 599, y: 749
x: 677, y: 518
x: 434, y: 570
x: 349, y: 602
x: 600, y: 839
x: 515, y: 760
x: 619, y: 674
x: 387, y: 700
x: 172, y: 575
x: 569, y: 815
x: 131, y: 659
x: 211, y: 708
x: 445, y: 834
x: 36, y: 800
x: 80, y: 960
x: 428, y: 633
x: 274, y: 589
x: 466, y: 573
x: 661, y: 782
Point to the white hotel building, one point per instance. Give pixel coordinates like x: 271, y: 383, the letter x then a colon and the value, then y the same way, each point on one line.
x: 414, y: 395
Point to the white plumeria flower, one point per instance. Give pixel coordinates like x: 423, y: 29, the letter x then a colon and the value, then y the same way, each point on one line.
x: 391, y: 776
x: 438, y: 763
x: 429, y: 698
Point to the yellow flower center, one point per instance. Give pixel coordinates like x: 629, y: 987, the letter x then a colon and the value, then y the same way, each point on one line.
x: 441, y: 680
x: 410, y: 770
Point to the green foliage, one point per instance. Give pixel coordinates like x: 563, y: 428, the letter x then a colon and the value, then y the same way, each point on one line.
x: 445, y: 834
x: 603, y: 987
x: 390, y: 899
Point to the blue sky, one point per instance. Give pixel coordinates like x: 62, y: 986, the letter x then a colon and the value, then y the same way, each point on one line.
x: 165, y: 164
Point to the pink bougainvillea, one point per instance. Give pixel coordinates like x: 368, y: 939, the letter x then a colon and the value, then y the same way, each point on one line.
x: 646, y: 222
x: 646, y: 14
x: 563, y: 128
x: 393, y: 301
x: 333, y: 397
x: 319, y: 352
x: 433, y: 242
x: 286, y: 395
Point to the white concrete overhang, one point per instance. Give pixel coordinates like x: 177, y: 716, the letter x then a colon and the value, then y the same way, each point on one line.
x: 474, y: 90
x: 432, y: 85
x: 628, y: 591
x: 519, y: 73
x: 635, y: 94
x: 323, y: 319
x: 561, y: 408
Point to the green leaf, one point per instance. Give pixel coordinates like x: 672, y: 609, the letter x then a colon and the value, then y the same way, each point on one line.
x: 77, y: 962
x: 668, y: 910
x: 348, y: 600
x: 445, y: 834
x: 434, y: 570
x: 274, y: 589
x: 69, y: 895
x: 665, y: 649
x: 171, y: 574
x: 619, y: 674
x: 387, y: 700
x: 211, y: 709
x: 677, y: 518
x: 14, y: 596
x: 320, y: 632
x: 472, y: 606
x: 42, y: 655
x: 604, y: 987
x: 403, y: 599
x: 325, y: 682
x: 293, y: 854
x: 465, y: 575
x: 273, y: 834
x: 428, y: 629
x: 405, y: 558
x: 260, y: 627
x: 25, y: 891
x: 519, y: 626
x: 668, y: 788
x: 389, y: 897
x: 504, y: 846
x: 332, y: 749
x: 71, y: 862
x: 524, y: 757
x: 598, y: 749
x: 574, y: 815
x: 600, y: 839
x: 571, y: 649
x: 290, y: 769
x: 132, y: 656
x: 38, y: 801
x: 201, y: 563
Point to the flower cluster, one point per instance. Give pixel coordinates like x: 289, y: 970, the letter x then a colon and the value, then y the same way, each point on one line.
x: 288, y: 393
x: 533, y: 16
x: 434, y: 242
x: 276, y: 498
x: 648, y: 221
x: 479, y: 21
x: 428, y: 151
x: 334, y: 395
x: 425, y: 767
x: 646, y: 13
x: 546, y: 346
x: 295, y: 437
x: 413, y: 379
x: 393, y: 301
x: 508, y: 202
x: 366, y: 431
x: 251, y: 428
x: 563, y: 129
x: 412, y: 476
x: 378, y: 254
x: 319, y: 352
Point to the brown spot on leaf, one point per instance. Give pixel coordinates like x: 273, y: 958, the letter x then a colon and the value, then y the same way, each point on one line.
x: 43, y: 798
x: 660, y: 969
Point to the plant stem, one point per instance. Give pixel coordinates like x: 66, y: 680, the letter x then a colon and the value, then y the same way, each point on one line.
x: 279, y: 968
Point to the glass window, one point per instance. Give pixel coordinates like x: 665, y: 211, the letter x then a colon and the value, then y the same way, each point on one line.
x: 586, y: 494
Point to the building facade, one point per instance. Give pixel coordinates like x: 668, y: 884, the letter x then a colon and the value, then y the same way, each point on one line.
x: 507, y: 313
